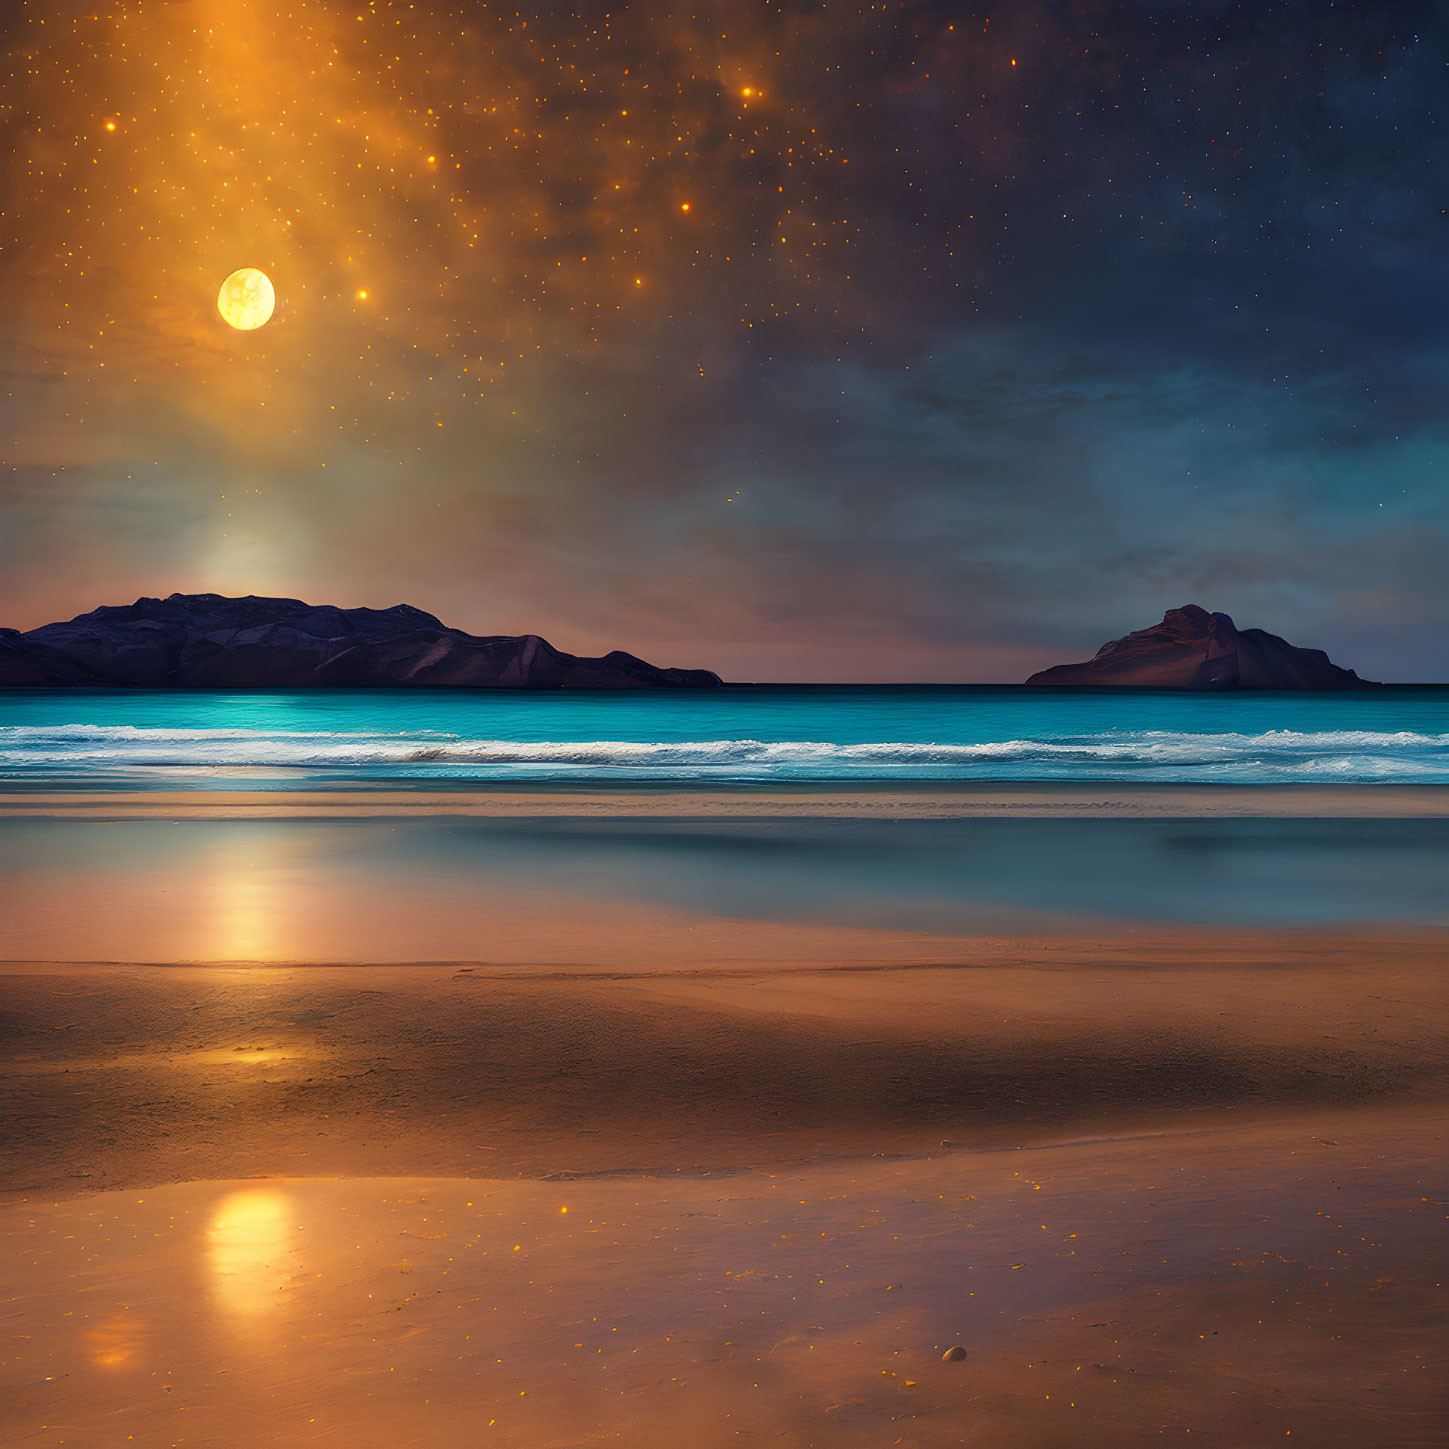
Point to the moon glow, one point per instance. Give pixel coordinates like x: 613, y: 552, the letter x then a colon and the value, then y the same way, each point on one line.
x: 246, y: 299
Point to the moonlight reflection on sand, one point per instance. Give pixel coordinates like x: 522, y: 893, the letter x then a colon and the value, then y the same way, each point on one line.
x: 251, y: 1250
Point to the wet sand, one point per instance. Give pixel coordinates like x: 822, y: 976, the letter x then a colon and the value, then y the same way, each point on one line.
x: 1235, y: 1289
x: 932, y: 800
x: 1186, y: 1185
x: 134, y: 1076
x: 662, y: 1178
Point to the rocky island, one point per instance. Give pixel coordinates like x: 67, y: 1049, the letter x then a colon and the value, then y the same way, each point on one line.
x: 1193, y: 649
x: 206, y: 641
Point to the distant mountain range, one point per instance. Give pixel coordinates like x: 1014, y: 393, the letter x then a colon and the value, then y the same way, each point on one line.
x: 205, y: 641
x: 1193, y: 649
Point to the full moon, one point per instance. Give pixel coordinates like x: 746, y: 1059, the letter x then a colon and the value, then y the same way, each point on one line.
x: 246, y: 299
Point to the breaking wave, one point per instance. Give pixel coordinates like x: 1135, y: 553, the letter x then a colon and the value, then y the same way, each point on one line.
x: 1273, y: 755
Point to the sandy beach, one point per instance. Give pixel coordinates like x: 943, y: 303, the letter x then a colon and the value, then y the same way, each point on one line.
x: 648, y: 1173
x: 134, y: 1076
x: 931, y: 801
x: 1235, y: 1288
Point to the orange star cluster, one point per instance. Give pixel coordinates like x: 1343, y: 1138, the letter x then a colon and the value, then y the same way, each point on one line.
x: 496, y: 236
x: 436, y: 196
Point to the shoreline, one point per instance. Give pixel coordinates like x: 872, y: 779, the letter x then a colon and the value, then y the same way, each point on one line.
x: 702, y: 949
x: 662, y: 1174
x: 926, y: 800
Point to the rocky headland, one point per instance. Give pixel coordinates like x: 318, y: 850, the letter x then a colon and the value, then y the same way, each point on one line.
x: 1193, y: 649
x: 206, y: 641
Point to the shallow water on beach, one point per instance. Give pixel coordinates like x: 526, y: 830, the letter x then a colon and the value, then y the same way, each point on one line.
x: 441, y: 889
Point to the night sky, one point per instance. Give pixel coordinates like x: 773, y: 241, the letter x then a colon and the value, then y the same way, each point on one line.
x: 797, y: 341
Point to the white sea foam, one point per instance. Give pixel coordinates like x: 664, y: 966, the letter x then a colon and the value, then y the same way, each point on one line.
x: 1124, y: 754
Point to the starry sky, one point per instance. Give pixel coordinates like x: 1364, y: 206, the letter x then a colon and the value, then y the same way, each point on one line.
x: 814, y: 341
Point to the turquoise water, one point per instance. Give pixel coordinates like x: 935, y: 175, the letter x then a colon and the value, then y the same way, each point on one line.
x: 898, y: 734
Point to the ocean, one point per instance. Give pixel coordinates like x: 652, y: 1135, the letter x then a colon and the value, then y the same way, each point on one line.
x: 744, y: 735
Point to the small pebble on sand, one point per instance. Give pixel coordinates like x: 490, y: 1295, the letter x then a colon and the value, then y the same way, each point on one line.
x: 954, y: 1354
